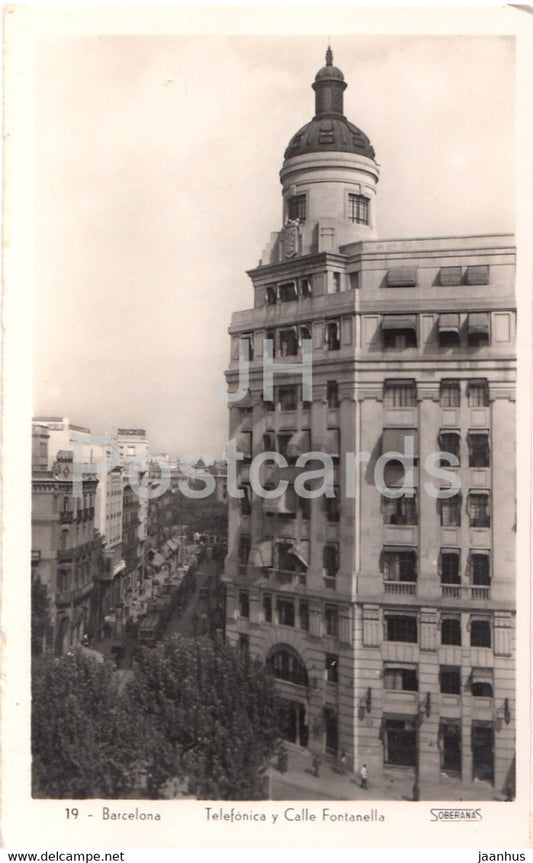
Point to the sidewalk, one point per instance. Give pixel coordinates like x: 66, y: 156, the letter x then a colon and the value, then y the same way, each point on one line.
x: 300, y: 783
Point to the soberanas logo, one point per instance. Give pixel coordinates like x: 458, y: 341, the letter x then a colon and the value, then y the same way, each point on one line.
x: 456, y: 815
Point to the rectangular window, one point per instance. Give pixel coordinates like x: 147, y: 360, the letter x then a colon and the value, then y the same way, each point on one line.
x: 283, y: 443
x: 330, y: 559
x: 246, y: 508
x: 288, y: 342
x: 449, y: 567
x: 399, y: 510
x: 450, y: 680
x: 333, y: 339
x: 267, y: 607
x: 400, y: 742
x: 332, y: 667
x: 244, y: 603
x: 288, y: 292
x: 480, y: 633
x: 303, y: 613
x: 332, y: 506
x: 399, y: 565
x: 271, y: 295
x: 399, y: 394
x: 248, y: 341
x: 333, y: 394
x: 244, y: 643
x: 478, y: 393
x: 400, y: 627
x: 358, y: 209
x: 332, y: 620
x: 399, y: 339
x: 336, y: 282
x: 305, y: 288
x: 244, y: 548
x: 450, y: 394
x: 450, y: 442
x: 450, y: 631
x: 450, y: 511
x: 288, y: 398
x: 285, y: 609
x: 355, y: 280
x: 480, y: 569
x: 400, y: 679
x: 478, y: 510
x: 305, y: 507
x: 297, y: 208
x: 478, y: 449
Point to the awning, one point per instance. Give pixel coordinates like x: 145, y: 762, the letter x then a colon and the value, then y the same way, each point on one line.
x: 261, y: 553
x: 244, y: 444
x: 477, y: 275
x: 398, y: 549
x: 482, y: 675
x: 393, y: 440
x: 398, y: 322
x: 450, y: 276
x: 448, y: 323
x: 300, y: 550
x: 401, y: 277
x: 299, y: 444
x: 478, y: 322
x: 285, y: 504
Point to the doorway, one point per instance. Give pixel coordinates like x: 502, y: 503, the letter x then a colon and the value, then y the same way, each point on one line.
x: 296, y: 730
x: 483, y: 752
x: 451, y: 747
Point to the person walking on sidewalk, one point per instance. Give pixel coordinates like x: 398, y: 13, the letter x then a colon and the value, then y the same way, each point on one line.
x: 364, y: 777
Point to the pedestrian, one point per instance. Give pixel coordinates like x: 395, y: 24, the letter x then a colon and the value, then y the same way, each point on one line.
x: 343, y: 760
x: 316, y: 765
x: 364, y: 777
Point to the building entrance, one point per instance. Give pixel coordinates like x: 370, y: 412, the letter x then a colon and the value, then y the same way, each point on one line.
x: 296, y: 730
x: 451, y: 747
x: 483, y: 752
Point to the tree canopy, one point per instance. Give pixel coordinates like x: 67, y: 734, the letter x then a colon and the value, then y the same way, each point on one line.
x: 217, y: 708
x: 196, y: 710
x: 41, y: 616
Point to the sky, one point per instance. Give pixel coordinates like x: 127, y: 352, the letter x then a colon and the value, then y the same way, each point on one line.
x: 157, y: 165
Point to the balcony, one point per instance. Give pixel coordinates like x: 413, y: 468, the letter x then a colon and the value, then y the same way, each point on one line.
x: 66, y: 516
x: 64, y: 555
x: 465, y: 591
x: 68, y: 597
x: 400, y: 588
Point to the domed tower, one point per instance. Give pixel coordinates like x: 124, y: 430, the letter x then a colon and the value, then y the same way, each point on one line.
x: 329, y: 175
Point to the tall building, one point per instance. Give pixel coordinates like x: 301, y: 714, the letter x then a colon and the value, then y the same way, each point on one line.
x: 386, y: 613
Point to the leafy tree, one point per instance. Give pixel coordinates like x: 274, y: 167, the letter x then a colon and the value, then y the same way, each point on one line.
x: 88, y: 740
x: 218, y: 710
x: 41, y: 616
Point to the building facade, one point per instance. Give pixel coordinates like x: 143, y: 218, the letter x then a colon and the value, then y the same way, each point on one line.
x: 384, y: 607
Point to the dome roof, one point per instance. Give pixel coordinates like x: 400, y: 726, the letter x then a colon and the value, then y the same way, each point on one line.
x: 329, y: 130
x: 329, y: 71
x: 329, y: 133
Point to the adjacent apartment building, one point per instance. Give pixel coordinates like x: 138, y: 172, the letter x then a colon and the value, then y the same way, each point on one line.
x: 388, y: 618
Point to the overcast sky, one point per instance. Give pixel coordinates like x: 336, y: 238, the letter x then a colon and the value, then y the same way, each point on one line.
x: 157, y: 162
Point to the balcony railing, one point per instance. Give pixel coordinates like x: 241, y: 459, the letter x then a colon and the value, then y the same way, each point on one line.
x: 465, y: 591
x: 72, y: 596
x: 65, y: 516
x: 65, y: 554
x: 400, y: 588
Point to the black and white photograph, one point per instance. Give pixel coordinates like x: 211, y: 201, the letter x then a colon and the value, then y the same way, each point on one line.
x: 273, y: 505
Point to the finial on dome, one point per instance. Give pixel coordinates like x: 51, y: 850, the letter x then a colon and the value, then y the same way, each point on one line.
x: 329, y: 56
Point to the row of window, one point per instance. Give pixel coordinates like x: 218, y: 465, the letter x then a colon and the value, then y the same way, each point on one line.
x: 358, y: 208
x: 402, y: 566
x: 286, y: 611
x: 396, y: 394
x: 397, y: 332
x: 405, y: 679
x: 404, y: 628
